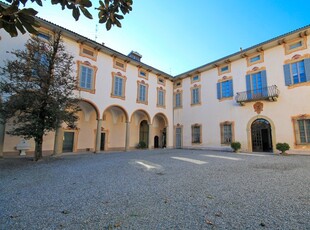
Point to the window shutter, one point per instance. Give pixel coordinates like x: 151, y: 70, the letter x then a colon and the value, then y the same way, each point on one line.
x: 219, y: 94
x: 307, y: 68
x: 248, y: 86
x: 287, y: 74
x: 231, y: 88
x: 264, y: 83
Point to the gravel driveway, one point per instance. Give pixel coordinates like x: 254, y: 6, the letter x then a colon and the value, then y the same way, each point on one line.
x: 160, y: 189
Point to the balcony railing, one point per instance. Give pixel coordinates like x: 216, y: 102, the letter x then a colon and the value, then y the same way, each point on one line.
x: 267, y: 93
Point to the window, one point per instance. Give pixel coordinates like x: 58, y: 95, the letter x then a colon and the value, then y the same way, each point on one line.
x: 297, y: 72
x: 86, y: 76
x: 119, y: 64
x: 295, y: 45
x: 178, y: 99
x: 161, y: 97
x: 255, y: 58
x: 302, y: 129
x: 223, y: 69
x: 195, y: 94
x: 118, y: 85
x: 226, y: 132
x: 44, y: 36
x: 177, y: 84
x: 161, y: 81
x: 143, y: 73
x: 256, y: 84
x: 88, y: 52
x: 225, y: 89
x: 196, y: 134
x: 195, y: 78
x: 142, y: 94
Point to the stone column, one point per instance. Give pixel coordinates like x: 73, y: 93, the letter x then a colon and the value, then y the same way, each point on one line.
x: 150, y: 136
x: 167, y: 138
x: 58, y: 141
x: 2, y: 134
x: 127, y: 138
x: 98, y: 136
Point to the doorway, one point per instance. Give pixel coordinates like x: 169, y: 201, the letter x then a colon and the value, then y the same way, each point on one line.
x: 68, y: 142
x: 178, y: 138
x: 144, y: 132
x: 156, y: 142
x: 102, y: 141
x: 261, y: 136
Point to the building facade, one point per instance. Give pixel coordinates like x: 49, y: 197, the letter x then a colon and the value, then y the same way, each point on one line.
x: 257, y: 96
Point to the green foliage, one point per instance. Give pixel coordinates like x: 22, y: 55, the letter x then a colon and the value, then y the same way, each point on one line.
x: 283, y: 147
x: 12, y: 18
x: 235, y: 146
x: 39, y: 84
x: 141, y: 145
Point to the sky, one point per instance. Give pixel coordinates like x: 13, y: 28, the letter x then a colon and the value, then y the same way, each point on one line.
x: 176, y: 36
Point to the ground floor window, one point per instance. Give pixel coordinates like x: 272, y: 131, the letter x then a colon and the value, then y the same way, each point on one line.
x: 302, y: 130
x: 226, y: 132
x: 196, y: 134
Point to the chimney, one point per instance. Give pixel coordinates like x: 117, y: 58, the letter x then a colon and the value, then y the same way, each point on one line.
x: 135, y: 55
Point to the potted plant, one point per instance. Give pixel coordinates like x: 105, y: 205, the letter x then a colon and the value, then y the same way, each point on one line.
x: 235, y: 146
x: 283, y: 147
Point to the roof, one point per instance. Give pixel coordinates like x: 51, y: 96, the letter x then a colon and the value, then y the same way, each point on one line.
x: 248, y: 51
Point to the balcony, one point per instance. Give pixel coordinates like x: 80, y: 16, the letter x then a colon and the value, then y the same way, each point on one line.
x: 270, y: 93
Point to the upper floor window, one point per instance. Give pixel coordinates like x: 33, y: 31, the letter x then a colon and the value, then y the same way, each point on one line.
x: 256, y: 84
x: 302, y: 129
x: 223, y: 69
x: 161, y: 97
x: 297, y: 72
x: 225, y: 89
x: 118, y: 85
x: 119, y: 64
x: 44, y: 36
x: 142, y: 94
x: 196, y: 134
x: 143, y: 73
x: 255, y: 58
x: 295, y: 44
x: 178, y: 99
x: 86, y: 77
x: 177, y: 84
x: 195, y: 78
x: 195, y: 94
x: 88, y: 52
x: 161, y: 81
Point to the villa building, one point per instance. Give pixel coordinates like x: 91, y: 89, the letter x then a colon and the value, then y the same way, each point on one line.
x: 258, y: 96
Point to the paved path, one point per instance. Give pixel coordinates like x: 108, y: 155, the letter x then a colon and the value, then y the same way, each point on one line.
x: 160, y: 189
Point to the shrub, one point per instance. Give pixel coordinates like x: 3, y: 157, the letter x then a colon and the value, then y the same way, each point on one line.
x: 235, y: 146
x: 141, y: 145
x: 282, y: 147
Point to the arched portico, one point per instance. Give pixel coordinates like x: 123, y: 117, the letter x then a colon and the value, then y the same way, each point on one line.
x: 261, y: 133
x: 159, y: 131
x: 115, y: 128
x: 140, y: 123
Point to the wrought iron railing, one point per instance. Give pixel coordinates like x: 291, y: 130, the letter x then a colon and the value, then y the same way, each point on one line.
x: 270, y: 93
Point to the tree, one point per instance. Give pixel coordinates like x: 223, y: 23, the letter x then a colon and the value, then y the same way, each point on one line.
x: 12, y: 18
x: 40, y: 87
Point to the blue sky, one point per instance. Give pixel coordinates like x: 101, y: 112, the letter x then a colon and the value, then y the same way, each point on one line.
x: 177, y: 35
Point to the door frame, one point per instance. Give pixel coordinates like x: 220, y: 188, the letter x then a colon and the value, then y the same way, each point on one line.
x: 249, y: 132
x: 75, y: 138
x: 175, y: 134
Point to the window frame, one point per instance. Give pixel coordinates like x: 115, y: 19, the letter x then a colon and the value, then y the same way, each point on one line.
x: 287, y: 67
x: 139, y: 84
x: 175, y: 84
x: 117, y: 60
x: 161, y: 89
x: 288, y: 44
x: 82, y: 54
x: 219, y: 68
x: 260, y: 54
x: 297, y: 136
x: 144, y: 71
x: 124, y: 79
x: 220, y: 83
x: 178, y: 92
x: 161, y: 81
x: 200, y: 134
x: 94, y: 68
x: 198, y: 87
x: 222, y: 132
x: 196, y: 75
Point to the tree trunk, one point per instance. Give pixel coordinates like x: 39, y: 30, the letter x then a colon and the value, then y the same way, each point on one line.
x: 38, y: 148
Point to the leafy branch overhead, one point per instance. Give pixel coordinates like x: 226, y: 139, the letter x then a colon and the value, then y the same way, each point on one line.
x: 13, y: 18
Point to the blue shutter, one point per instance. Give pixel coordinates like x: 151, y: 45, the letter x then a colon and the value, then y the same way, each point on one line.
x: 248, y: 86
x: 264, y: 83
x: 231, y: 88
x: 287, y: 74
x: 219, y: 93
x: 307, y: 68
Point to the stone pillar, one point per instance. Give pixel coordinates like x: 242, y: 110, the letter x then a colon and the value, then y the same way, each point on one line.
x: 58, y: 141
x: 167, y: 138
x: 2, y: 134
x: 127, y: 138
x: 150, y: 136
x: 98, y: 136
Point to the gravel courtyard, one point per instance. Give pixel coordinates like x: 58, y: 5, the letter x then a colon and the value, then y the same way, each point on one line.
x: 159, y: 189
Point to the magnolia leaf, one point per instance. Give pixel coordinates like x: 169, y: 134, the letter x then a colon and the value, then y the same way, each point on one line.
x: 76, y: 13
x: 86, y: 12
